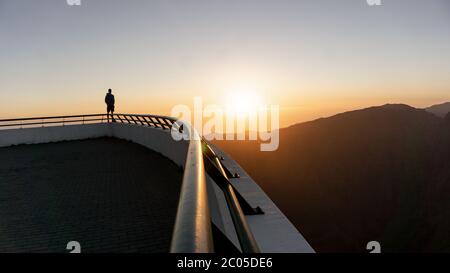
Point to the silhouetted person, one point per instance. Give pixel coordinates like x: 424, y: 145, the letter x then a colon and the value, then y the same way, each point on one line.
x: 109, y: 100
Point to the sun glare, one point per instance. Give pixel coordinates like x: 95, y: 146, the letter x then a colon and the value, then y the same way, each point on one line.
x: 242, y: 101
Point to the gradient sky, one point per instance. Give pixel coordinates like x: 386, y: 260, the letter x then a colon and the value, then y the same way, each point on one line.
x: 314, y: 58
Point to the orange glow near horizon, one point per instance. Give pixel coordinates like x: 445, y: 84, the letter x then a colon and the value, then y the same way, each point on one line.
x: 293, y: 109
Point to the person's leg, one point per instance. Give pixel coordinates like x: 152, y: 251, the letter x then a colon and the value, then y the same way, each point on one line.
x: 107, y: 113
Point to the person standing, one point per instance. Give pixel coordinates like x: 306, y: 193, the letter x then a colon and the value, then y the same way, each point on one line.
x: 110, y: 101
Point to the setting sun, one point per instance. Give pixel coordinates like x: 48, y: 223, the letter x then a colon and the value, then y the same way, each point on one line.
x: 242, y: 101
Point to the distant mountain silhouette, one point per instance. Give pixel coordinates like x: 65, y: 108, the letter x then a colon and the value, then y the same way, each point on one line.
x: 439, y: 110
x: 381, y: 173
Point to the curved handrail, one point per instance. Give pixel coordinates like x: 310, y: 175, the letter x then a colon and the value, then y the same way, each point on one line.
x: 192, y: 232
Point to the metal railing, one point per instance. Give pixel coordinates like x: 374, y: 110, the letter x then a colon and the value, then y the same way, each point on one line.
x: 192, y: 231
x: 51, y: 121
x: 154, y: 121
x: 217, y: 171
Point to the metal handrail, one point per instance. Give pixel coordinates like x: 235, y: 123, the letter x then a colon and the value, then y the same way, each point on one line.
x: 157, y: 121
x: 193, y: 216
x: 223, y: 175
x: 52, y: 117
x: 192, y: 231
x: 217, y: 172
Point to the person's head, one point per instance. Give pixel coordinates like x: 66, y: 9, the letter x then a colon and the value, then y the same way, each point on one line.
x: 109, y: 91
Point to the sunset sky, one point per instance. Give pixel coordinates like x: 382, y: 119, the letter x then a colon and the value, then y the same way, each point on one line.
x: 313, y: 58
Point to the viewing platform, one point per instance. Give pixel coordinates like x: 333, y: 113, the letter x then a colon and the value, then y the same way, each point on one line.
x: 129, y: 186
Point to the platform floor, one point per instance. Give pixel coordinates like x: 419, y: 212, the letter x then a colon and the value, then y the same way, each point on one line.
x: 109, y: 195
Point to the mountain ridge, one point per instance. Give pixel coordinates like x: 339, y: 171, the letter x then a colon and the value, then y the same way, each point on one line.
x: 385, y: 107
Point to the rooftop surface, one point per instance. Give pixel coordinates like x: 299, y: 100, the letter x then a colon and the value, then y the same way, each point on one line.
x: 109, y: 195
